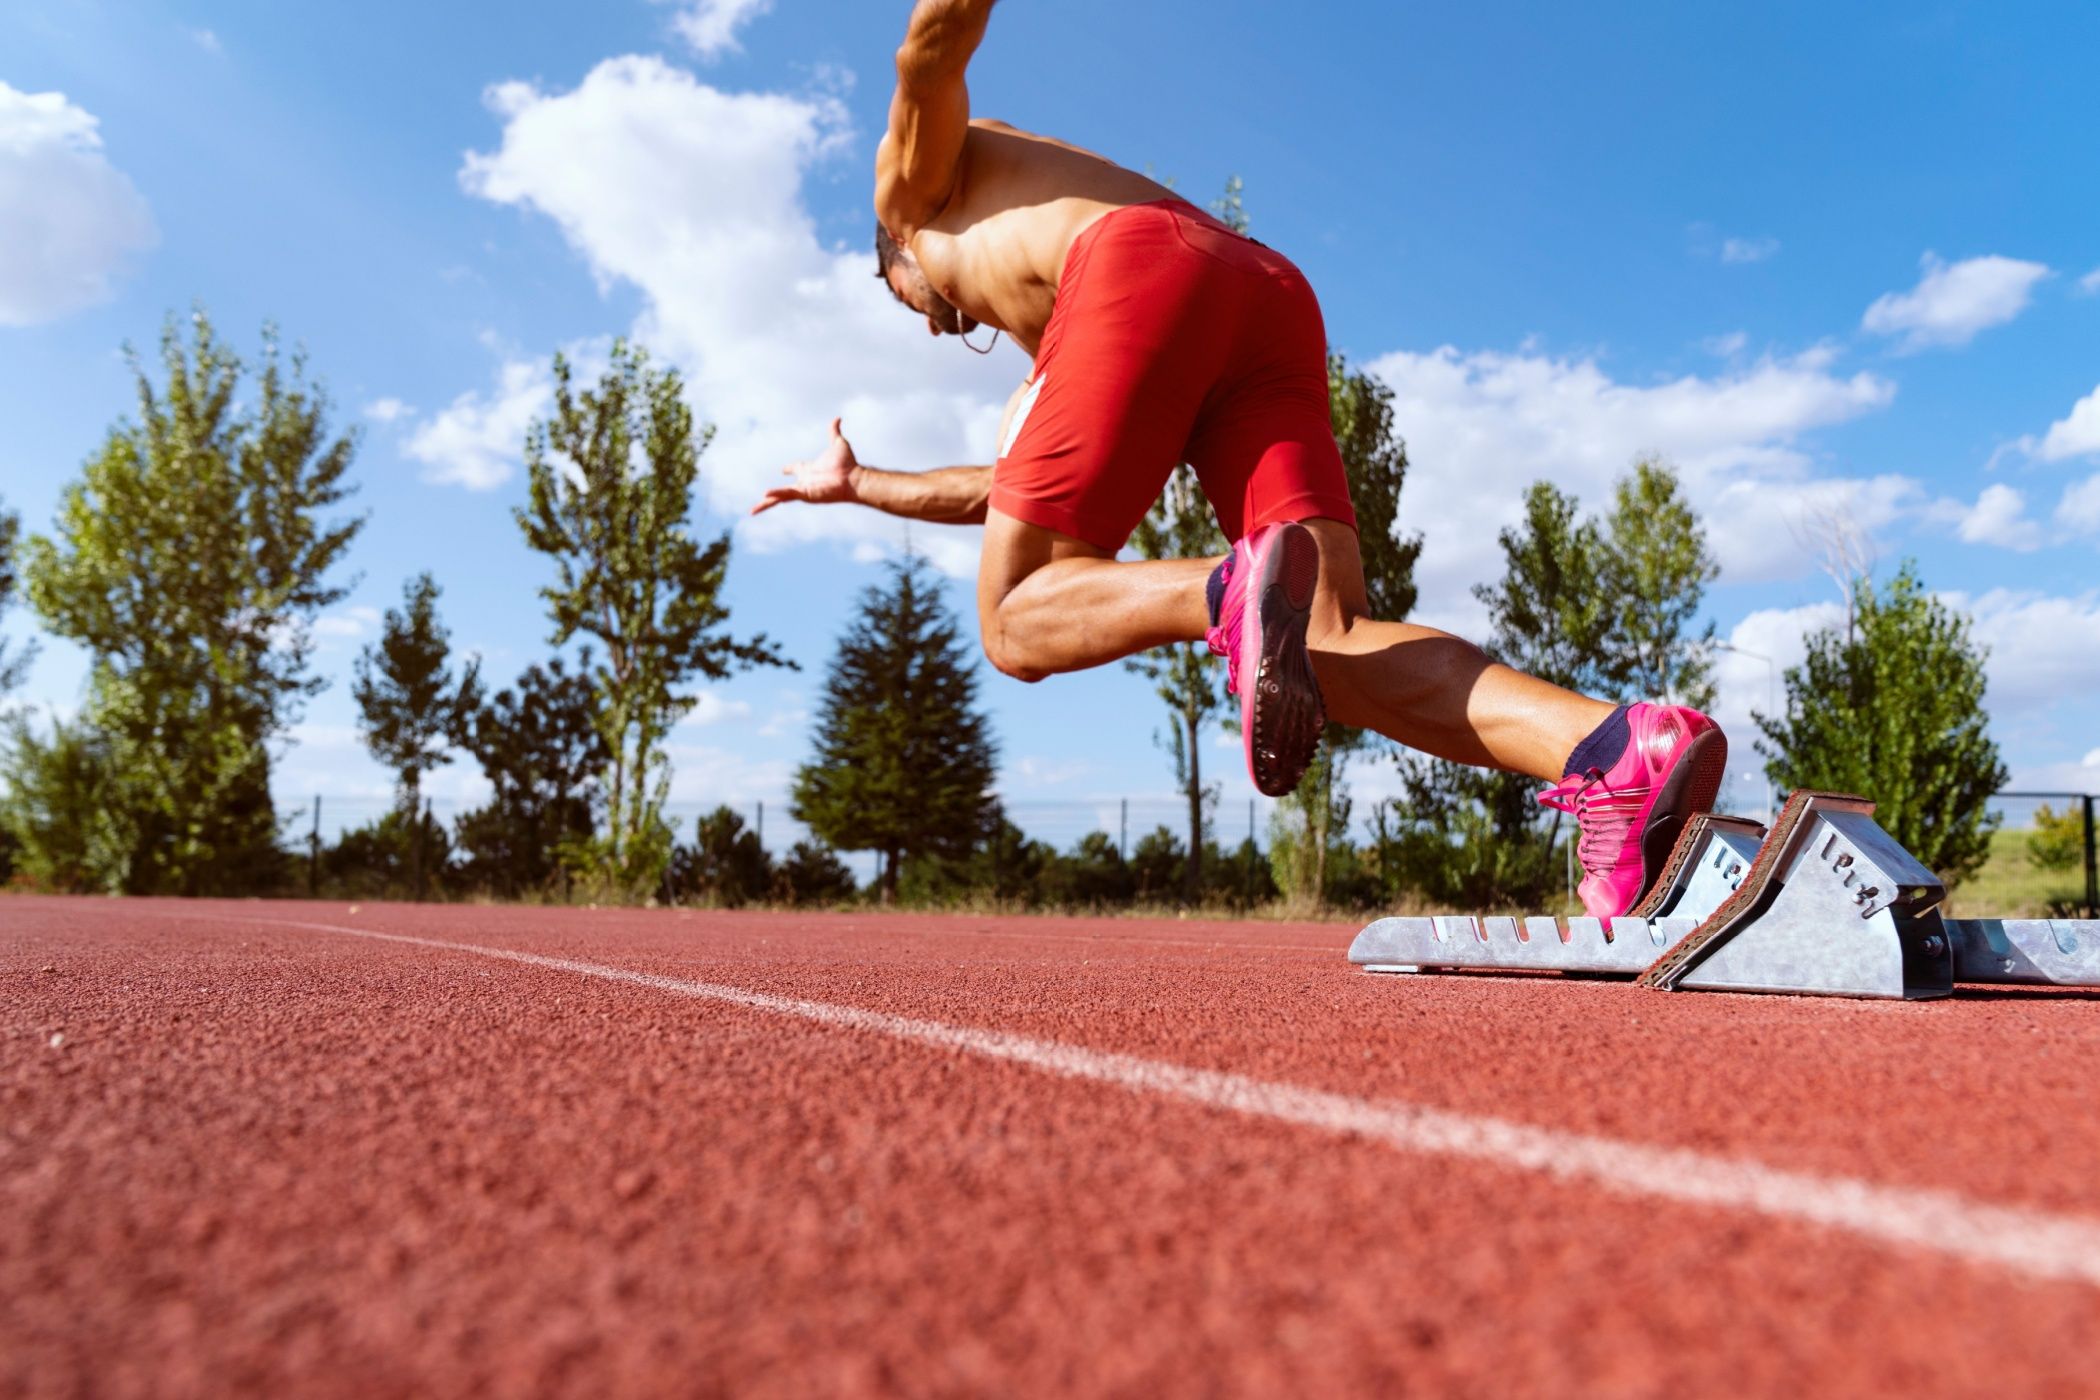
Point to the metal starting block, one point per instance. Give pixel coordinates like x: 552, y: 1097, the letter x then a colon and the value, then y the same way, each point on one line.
x: 1825, y: 903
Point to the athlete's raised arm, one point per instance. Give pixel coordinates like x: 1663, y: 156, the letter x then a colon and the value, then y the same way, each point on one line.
x: 948, y: 496
x: 920, y: 158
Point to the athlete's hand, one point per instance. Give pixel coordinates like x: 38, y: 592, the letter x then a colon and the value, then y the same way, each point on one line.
x: 824, y: 479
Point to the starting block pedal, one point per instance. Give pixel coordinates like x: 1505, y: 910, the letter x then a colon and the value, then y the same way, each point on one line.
x: 1825, y: 903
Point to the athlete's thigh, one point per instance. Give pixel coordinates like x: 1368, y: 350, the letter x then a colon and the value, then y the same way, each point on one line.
x: 1014, y: 549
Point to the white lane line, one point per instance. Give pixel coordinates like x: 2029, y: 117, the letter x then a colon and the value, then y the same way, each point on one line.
x: 2037, y: 1243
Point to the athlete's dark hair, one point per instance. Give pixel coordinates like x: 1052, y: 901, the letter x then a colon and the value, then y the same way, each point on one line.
x: 887, y: 251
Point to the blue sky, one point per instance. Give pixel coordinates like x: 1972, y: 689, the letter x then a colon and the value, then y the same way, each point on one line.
x: 1840, y: 264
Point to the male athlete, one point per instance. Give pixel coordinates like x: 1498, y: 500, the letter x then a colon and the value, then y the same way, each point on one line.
x: 1161, y: 336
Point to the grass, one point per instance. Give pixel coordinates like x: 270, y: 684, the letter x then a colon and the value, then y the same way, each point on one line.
x: 2011, y: 886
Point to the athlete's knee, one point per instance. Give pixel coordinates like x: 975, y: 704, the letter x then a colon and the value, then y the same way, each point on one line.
x: 1005, y: 652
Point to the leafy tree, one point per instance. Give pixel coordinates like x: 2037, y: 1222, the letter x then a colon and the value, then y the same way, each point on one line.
x: 904, y: 759
x: 1893, y: 708
x: 1092, y: 875
x: 1158, y: 863
x: 1653, y: 575
x: 189, y: 560
x: 410, y: 708
x: 402, y: 853
x: 1551, y: 615
x: 2058, y: 839
x: 12, y: 670
x: 612, y: 475
x: 1003, y: 865
x: 812, y: 874
x: 724, y: 866
x: 540, y: 748
x: 1312, y: 819
x: 57, y: 811
x: 1186, y: 677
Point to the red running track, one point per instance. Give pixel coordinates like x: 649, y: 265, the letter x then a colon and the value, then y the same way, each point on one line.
x: 292, y: 1148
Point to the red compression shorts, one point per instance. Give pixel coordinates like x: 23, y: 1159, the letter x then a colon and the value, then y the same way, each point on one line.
x: 1173, y: 339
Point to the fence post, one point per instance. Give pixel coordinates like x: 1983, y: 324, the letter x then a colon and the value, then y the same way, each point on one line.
x: 313, y: 850
x: 2092, y: 866
x: 1123, y: 833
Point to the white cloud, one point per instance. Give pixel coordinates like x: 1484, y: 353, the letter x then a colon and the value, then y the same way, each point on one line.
x: 387, y: 410
x: 69, y: 220
x: 2079, y: 509
x: 710, y: 26
x: 694, y: 196
x: 1953, y: 301
x: 2076, y: 434
x: 2089, y: 285
x: 479, y: 440
x: 1482, y: 425
x: 2043, y: 648
x: 206, y: 40
x: 713, y: 707
x: 351, y: 624
x: 1999, y: 517
x: 1728, y: 346
x: 1748, y: 250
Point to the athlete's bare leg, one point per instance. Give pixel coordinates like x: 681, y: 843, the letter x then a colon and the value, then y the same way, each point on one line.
x: 1049, y: 603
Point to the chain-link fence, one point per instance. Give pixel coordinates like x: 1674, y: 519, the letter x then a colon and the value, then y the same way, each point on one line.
x: 2043, y: 853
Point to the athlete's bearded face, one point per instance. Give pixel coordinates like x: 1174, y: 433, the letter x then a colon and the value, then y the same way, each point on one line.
x: 908, y: 283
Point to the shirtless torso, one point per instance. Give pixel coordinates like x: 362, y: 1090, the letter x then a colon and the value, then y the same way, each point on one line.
x: 997, y: 248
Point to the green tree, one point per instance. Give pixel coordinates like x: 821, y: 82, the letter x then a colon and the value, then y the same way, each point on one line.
x: 540, y: 748
x: 402, y: 853
x: 1893, y: 709
x: 1477, y: 837
x: 12, y: 669
x: 1550, y: 613
x: 1186, y: 677
x: 904, y: 760
x: 57, y: 809
x: 724, y: 866
x: 1653, y: 577
x: 1157, y: 865
x: 2058, y: 840
x: 612, y: 475
x: 410, y: 708
x: 189, y: 560
x: 1312, y: 821
x: 1092, y: 875
x: 812, y: 874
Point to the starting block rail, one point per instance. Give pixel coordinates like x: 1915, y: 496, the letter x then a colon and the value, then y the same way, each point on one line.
x: 1825, y: 903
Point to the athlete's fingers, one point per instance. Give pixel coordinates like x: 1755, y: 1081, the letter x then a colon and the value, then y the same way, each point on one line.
x: 835, y: 427
x: 775, y: 497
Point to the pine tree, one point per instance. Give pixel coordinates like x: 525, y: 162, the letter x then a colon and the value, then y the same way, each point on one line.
x: 410, y: 709
x: 1892, y: 708
x: 612, y: 475
x: 904, y: 760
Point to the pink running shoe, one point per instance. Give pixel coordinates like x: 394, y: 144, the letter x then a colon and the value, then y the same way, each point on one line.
x: 1630, y: 814
x: 1260, y: 598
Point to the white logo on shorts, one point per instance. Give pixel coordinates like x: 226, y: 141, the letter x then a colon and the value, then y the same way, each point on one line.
x: 1013, y: 427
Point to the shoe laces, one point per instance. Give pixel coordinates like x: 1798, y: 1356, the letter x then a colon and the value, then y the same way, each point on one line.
x: 1603, y: 815
x: 1224, y: 635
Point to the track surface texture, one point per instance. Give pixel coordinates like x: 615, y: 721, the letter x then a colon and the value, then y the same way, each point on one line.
x: 254, y: 1148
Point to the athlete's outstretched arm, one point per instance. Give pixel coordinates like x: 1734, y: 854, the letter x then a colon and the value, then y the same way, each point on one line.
x: 919, y: 162
x: 949, y: 496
